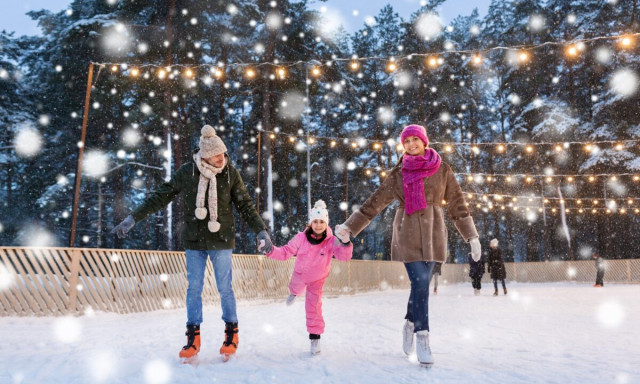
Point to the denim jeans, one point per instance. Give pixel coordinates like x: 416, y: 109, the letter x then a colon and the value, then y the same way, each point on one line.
x: 418, y: 306
x: 495, y: 284
x: 196, y: 264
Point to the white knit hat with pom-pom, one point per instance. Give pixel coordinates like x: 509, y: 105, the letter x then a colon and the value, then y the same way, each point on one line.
x: 319, y: 211
x: 210, y: 143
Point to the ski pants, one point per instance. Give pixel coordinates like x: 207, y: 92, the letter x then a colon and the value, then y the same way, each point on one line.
x: 313, y: 301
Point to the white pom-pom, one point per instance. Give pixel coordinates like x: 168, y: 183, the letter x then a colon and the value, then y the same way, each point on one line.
x: 214, y: 226
x: 208, y: 131
x: 201, y: 213
x: 320, y: 205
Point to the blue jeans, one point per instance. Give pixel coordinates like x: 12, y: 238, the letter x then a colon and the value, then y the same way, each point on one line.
x: 196, y: 264
x: 418, y: 306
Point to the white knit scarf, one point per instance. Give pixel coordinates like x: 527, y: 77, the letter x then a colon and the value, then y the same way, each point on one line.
x: 207, y: 177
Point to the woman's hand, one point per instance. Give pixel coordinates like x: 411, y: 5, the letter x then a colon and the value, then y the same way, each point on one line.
x: 343, y: 233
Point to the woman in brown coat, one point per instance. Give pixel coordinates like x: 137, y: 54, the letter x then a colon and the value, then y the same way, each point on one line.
x: 420, y: 182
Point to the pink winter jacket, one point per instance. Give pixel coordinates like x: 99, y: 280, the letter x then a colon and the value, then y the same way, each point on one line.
x: 313, y: 262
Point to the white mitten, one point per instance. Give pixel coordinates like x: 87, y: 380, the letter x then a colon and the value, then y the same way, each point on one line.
x: 476, y: 249
x: 343, y: 233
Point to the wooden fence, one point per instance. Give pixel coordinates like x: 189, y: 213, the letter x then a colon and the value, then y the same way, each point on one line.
x: 44, y: 281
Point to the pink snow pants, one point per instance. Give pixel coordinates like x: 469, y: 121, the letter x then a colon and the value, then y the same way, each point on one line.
x: 313, y: 301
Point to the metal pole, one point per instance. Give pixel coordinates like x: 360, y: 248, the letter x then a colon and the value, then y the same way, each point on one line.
x: 258, y: 188
x: 306, y: 83
x: 83, y: 135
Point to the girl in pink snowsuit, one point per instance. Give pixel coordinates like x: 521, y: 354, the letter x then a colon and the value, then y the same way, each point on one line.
x: 314, y: 247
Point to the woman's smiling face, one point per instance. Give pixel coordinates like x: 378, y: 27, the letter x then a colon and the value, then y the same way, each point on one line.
x: 414, y: 146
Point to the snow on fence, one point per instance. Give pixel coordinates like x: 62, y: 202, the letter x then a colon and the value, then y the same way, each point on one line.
x: 44, y: 281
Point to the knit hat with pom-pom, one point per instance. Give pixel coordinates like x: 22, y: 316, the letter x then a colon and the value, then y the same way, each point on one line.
x: 415, y: 130
x: 210, y: 143
x: 319, y: 211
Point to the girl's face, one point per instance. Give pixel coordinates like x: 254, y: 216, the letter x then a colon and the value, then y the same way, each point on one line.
x: 414, y: 146
x: 318, y: 226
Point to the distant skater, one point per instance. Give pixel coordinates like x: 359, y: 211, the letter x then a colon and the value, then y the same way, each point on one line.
x: 495, y: 266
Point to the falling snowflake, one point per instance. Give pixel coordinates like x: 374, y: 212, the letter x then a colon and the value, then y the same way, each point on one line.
x: 428, y: 26
x: 610, y: 314
x: 624, y: 82
x: 44, y: 120
x: 143, y: 48
x: 274, y: 21
x: 536, y: 23
x: 603, y: 55
x: 6, y: 278
x: 291, y: 106
x: 67, y: 329
x: 36, y: 236
x: 116, y: 39
x: 102, y: 365
x: 328, y: 23
x: 146, y: 109
x: 27, y: 141
x: 404, y: 80
x: 131, y: 137
x: 585, y: 252
x: 157, y: 372
x: 385, y: 114
x: 95, y: 163
x: 369, y: 21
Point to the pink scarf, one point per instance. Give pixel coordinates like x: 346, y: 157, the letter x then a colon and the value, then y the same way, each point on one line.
x: 414, y: 170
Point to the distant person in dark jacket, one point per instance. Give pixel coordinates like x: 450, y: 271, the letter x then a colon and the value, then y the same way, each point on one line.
x: 210, y: 187
x: 599, y: 270
x: 437, y: 271
x: 476, y: 270
x: 495, y: 266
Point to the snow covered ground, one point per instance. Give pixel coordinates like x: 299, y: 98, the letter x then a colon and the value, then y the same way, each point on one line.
x: 539, y: 333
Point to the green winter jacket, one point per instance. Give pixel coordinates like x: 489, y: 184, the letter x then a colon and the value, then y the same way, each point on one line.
x: 196, y: 235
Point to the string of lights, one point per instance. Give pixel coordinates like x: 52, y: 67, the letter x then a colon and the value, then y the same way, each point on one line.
x: 573, y: 48
x: 490, y: 177
x: 546, y: 199
x: 500, y: 147
x: 553, y: 210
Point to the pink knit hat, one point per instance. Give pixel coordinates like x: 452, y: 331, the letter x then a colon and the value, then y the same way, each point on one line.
x: 415, y: 130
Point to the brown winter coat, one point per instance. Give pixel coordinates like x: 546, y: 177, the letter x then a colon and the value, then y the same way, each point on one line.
x: 421, y: 236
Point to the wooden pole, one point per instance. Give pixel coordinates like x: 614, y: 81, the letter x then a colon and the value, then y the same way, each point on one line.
x: 258, y: 194
x: 85, y: 119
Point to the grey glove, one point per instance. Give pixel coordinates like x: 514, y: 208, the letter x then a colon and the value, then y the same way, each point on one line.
x: 264, y: 242
x: 121, y: 229
x: 343, y: 233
